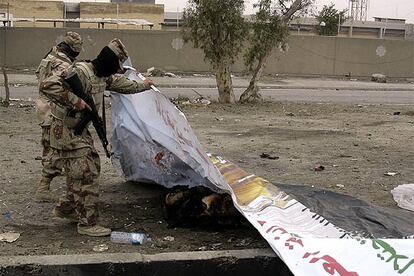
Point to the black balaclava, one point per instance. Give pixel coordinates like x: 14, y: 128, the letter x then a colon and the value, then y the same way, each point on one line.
x: 106, y: 63
x: 65, y: 48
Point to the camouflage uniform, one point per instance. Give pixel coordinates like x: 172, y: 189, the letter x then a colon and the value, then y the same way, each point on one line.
x: 55, y: 63
x: 77, y: 153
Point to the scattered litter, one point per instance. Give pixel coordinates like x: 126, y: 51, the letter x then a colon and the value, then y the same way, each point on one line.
x: 319, y: 168
x: 340, y: 186
x: 404, y: 196
x: 335, y: 166
x: 290, y: 114
x: 24, y: 105
x: 202, y: 248
x: 355, y: 144
x: 38, y: 158
x: 171, y: 75
x: 200, y: 101
x: 396, y: 113
x: 219, y: 119
x: 155, y: 72
x: 237, y: 120
x: 215, y: 246
x: 268, y: 156
x: 129, y: 238
x: 245, y: 242
x: 380, y: 78
x: 7, y: 216
x: 168, y: 238
x: 100, y: 248
x: 390, y: 173
x: 16, y: 85
x: 9, y: 237
x: 129, y: 224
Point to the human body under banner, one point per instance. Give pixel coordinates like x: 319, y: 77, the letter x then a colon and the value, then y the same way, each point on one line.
x: 153, y: 142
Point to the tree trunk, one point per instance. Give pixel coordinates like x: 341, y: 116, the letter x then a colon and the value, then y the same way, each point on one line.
x: 252, y: 94
x: 6, y: 87
x: 224, y: 84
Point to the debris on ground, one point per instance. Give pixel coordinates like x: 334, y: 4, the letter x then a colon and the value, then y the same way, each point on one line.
x: 269, y: 156
x: 220, y: 119
x: 396, y: 113
x: 380, y: 78
x: 404, y: 196
x: 155, y: 72
x: 168, y: 238
x: 200, y: 101
x: 340, y: 186
x: 100, y: 248
x: 9, y: 237
x: 291, y: 114
x: 390, y: 173
x: 171, y: 75
x: 185, y: 101
x: 7, y: 216
x: 319, y: 168
x: 129, y: 238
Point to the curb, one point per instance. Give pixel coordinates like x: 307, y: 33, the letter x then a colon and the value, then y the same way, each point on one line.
x: 233, y: 262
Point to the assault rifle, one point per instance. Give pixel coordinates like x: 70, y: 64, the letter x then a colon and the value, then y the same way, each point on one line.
x: 91, y: 114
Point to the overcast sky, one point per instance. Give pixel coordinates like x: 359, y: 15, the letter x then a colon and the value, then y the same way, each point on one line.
x: 382, y: 8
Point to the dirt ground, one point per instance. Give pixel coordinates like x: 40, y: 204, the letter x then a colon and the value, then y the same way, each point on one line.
x: 356, y: 144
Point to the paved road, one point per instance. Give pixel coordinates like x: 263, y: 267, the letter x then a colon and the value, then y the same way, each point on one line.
x: 296, y: 95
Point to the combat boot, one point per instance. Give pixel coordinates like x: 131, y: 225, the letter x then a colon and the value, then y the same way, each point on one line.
x: 43, y: 193
x: 94, y: 231
x: 72, y: 216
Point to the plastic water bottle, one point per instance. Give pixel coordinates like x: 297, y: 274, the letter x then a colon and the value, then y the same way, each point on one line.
x: 129, y: 238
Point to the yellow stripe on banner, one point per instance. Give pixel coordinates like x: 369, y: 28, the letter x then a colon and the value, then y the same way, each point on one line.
x: 246, y: 187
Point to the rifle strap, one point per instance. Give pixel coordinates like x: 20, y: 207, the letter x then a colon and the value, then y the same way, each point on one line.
x: 103, y: 112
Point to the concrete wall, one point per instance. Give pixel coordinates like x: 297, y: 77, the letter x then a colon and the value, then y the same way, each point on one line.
x: 37, y: 9
x: 307, y: 55
x: 151, y: 13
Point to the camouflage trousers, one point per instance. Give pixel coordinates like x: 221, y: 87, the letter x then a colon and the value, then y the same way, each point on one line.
x: 52, y: 167
x: 82, y: 169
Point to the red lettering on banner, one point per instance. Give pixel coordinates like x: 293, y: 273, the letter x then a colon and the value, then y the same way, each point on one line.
x: 330, y: 265
x: 293, y: 240
x: 261, y: 222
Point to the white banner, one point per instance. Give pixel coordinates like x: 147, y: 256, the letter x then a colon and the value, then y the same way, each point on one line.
x: 153, y: 142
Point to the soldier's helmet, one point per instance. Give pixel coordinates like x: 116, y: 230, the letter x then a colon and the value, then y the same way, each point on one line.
x: 74, y: 41
x: 119, y: 49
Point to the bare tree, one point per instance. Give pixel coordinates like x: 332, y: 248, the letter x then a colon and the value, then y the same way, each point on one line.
x: 219, y: 29
x: 6, y: 102
x: 269, y: 30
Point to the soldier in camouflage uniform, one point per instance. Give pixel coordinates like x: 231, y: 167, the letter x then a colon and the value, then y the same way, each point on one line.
x: 56, y: 62
x: 77, y: 153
